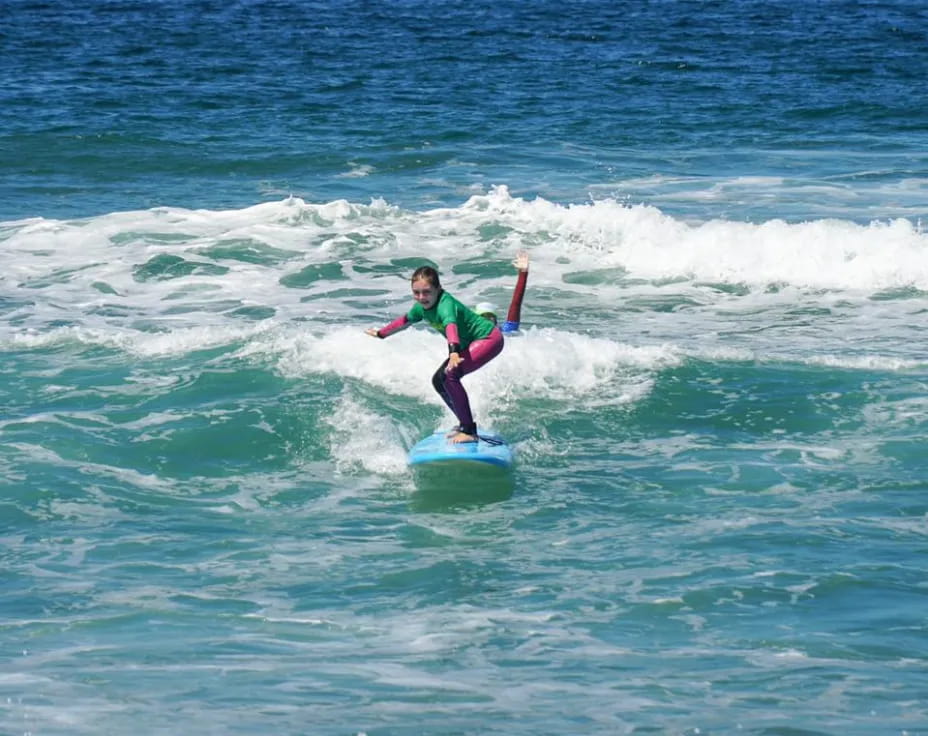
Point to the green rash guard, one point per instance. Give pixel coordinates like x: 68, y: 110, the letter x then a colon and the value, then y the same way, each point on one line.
x: 448, y: 310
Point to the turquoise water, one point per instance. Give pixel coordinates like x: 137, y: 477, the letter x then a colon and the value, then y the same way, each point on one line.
x: 718, y: 520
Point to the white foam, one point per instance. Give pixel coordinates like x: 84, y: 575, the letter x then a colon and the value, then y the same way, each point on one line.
x: 361, y: 439
x: 357, y: 171
x: 641, y: 239
x: 549, y: 363
x: 325, y: 264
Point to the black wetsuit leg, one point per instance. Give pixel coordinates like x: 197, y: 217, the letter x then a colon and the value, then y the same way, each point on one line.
x: 438, y: 383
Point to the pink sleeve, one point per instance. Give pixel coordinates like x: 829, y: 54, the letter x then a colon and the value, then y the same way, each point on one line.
x: 395, y: 326
x: 515, y: 306
x: 451, y: 333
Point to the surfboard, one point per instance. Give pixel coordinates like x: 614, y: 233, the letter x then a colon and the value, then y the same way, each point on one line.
x: 436, y: 449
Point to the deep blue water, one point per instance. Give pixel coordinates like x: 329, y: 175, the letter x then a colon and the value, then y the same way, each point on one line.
x: 718, y: 520
x: 116, y: 105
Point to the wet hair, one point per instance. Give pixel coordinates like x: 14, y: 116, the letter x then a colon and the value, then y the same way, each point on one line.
x: 429, y: 274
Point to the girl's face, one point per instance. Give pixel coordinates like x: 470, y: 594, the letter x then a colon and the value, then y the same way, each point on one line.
x: 424, y: 293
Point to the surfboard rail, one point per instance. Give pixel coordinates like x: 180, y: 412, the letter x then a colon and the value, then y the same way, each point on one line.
x: 490, y: 449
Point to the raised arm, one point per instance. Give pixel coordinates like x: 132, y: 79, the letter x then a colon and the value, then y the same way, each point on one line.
x: 514, y: 317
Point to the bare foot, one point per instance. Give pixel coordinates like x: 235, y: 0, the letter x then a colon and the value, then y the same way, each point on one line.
x: 462, y: 437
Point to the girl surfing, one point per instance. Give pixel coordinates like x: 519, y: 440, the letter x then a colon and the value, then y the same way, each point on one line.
x: 473, y: 340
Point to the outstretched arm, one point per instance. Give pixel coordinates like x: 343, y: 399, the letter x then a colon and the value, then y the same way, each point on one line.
x: 395, y: 326
x: 515, y: 306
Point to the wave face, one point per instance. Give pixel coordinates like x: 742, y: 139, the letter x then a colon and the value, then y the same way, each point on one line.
x: 719, y: 429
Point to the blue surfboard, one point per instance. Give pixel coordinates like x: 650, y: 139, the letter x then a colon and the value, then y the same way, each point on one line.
x: 436, y: 449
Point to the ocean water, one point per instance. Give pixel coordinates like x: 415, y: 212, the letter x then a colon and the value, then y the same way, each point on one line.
x: 718, y: 519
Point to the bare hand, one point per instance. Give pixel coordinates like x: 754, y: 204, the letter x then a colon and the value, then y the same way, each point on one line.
x: 521, y: 260
x: 372, y: 331
x: 454, y: 360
